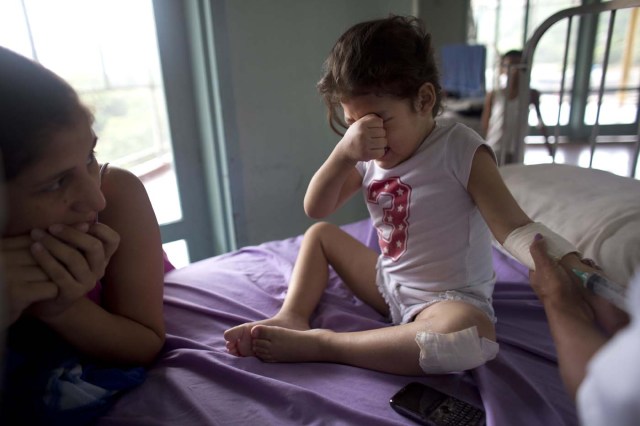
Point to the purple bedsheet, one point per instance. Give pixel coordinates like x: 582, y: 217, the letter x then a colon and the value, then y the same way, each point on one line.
x: 196, y: 382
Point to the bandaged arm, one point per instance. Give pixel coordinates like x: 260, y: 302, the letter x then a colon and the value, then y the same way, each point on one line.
x: 519, y: 240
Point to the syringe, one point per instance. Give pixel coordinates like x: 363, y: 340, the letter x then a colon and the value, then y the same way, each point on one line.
x: 609, y: 290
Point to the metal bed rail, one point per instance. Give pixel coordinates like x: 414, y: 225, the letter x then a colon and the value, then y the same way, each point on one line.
x: 526, y: 65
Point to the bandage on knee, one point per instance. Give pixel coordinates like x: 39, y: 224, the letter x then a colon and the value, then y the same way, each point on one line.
x: 520, y: 239
x: 452, y: 352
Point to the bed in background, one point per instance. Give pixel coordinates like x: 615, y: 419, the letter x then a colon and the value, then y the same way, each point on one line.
x: 196, y: 382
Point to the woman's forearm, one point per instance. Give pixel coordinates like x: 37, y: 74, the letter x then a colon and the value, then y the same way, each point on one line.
x: 576, y: 338
x: 106, y: 336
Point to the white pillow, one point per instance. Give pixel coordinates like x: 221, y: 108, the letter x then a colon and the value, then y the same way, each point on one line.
x: 597, y: 211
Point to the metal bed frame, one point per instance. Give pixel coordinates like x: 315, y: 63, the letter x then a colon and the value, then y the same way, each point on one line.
x: 526, y: 66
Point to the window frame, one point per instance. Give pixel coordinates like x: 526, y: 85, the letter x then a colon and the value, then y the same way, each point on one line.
x: 189, y: 59
x: 584, y: 45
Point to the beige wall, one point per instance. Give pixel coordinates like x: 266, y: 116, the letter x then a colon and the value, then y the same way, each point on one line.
x: 275, y: 53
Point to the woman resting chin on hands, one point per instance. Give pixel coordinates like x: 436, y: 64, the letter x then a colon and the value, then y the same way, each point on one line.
x: 49, y: 270
x: 81, y: 249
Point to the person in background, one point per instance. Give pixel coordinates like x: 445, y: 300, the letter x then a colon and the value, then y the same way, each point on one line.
x: 499, y: 121
x: 600, y: 372
x: 82, y: 257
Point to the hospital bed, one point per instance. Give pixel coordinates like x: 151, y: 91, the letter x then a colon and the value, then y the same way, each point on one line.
x: 195, y: 381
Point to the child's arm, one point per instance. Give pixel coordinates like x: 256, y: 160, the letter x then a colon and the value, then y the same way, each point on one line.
x: 128, y: 328
x: 499, y: 209
x: 503, y: 214
x: 337, y: 179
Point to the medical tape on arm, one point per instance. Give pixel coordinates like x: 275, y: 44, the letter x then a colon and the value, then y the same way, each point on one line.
x: 520, y: 239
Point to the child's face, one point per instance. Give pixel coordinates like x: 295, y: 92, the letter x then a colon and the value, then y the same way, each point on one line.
x: 61, y: 187
x: 406, y: 124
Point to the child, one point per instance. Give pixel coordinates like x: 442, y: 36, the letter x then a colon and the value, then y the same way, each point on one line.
x: 82, y: 254
x: 429, y: 187
x: 499, y: 118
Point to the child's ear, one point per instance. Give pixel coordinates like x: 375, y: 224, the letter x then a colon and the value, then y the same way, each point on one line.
x: 426, y: 99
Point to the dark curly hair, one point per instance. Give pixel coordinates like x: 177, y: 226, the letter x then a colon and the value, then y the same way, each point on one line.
x: 391, y: 56
x: 34, y: 102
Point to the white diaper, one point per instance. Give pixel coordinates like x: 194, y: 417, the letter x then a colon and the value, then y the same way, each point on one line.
x: 405, y: 302
x: 452, y: 352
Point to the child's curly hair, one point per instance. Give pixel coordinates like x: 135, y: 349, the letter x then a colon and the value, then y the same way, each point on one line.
x: 391, y: 56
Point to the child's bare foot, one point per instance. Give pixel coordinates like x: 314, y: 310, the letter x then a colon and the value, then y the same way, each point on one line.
x: 277, y: 344
x: 239, y: 338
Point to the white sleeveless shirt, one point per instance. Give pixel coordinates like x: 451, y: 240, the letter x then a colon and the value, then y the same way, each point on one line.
x: 431, y: 233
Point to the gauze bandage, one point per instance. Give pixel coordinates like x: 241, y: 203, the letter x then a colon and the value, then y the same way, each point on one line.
x: 519, y: 241
x: 452, y: 352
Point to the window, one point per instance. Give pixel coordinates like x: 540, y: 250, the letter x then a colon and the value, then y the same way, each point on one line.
x: 573, y: 117
x: 504, y: 25
x: 108, y: 50
x: 620, y: 100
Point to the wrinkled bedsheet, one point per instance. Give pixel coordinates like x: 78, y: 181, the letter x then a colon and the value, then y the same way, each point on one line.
x: 196, y: 382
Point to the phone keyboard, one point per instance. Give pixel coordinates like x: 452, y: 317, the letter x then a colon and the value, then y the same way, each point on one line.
x: 453, y: 412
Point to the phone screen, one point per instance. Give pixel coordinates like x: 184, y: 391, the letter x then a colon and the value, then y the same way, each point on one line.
x: 430, y: 407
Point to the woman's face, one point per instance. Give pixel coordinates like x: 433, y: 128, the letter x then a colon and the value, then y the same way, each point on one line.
x: 61, y: 187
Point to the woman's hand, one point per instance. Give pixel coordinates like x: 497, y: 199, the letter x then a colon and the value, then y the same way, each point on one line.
x: 556, y: 284
x: 574, y: 261
x: 609, y: 316
x: 74, y: 258
x: 365, y: 139
x: 570, y: 316
x: 553, y: 284
x: 25, y: 283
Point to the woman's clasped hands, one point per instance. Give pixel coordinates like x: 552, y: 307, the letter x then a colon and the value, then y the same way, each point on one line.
x: 48, y: 270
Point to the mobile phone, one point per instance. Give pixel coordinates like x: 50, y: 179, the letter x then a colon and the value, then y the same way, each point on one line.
x: 431, y: 407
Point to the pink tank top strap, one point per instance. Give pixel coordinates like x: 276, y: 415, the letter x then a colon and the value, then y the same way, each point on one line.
x: 103, y: 169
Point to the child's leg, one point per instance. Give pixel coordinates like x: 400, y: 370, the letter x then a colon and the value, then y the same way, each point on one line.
x: 323, y: 245
x: 390, y: 349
